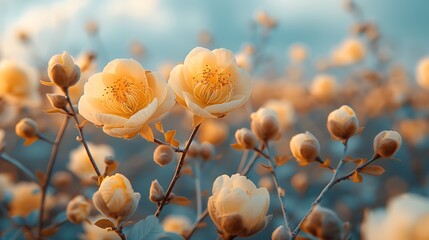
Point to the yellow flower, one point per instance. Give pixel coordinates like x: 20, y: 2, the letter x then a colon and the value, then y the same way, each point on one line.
x: 116, y: 198
x: 26, y: 198
x: 324, y: 87
x: 19, y: 84
x: 210, y: 83
x: 422, y: 73
x: 342, y: 123
x: 349, y: 52
x: 305, y: 148
x: 80, y: 164
x: 124, y: 98
x: 237, y: 207
x: 78, y: 209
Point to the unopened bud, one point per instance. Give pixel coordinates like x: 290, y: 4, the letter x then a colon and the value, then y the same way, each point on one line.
x: 387, y: 143
x: 156, y: 193
x: 280, y: 234
x: 78, y: 209
x: 194, y: 149
x: 163, y: 155
x: 63, y: 71
x: 323, y: 223
x: 265, y: 124
x: 342, y: 123
x: 58, y: 101
x: 207, y: 150
x: 304, y: 147
x: 246, y: 138
x: 26, y: 128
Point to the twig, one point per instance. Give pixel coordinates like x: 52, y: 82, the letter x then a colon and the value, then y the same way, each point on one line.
x: 82, y: 137
x: 250, y: 164
x: 243, y: 160
x: 277, y: 185
x: 322, y: 194
x: 43, y: 138
x: 51, y: 164
x: 159, y: 142
x: 18, y: 165
x: 197, y: 166
x: 177, y: 172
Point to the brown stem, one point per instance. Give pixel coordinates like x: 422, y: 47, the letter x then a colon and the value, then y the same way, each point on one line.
x: 159, y: 142
x: 82, y: 137
x: 48, y: 175
x: 177, y: 172
x: 277, y: 185
x: 322, y: 194
x: 118, y: 231
x: 45, y: 139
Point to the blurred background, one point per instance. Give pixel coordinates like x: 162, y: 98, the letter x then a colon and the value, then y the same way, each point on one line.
x: 368, y: 51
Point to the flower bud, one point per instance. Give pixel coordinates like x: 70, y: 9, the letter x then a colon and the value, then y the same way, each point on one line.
x: 177, y: 224
x: 194, y: 149
x: 280, y: 234
x: 78, y: 209
x: 27, y: 128
x: 116, y: 198
x: 62, y: 70
x: 324, y: 87
x: 58, y: 101
x: 342, y: 123
x: 237, y: 207
x: 323, y: 223
x: 207, y: 150
x: 265, y: 124
x: 246, y: 138
x: 163, y: 155
x: 156, y: 193
x: 386, y: 143
x: 305, y: 148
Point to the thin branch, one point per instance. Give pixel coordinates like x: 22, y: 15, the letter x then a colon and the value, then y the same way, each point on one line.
x: 45, y: 139
x: 322, y: 194
x: 277, y: 185
x: 159, y: 142
x: 197, y: 167
x: 250, y: 164
x: 243, y: 160
x: 48, y: 175
x: 19, y: 165
x: 177, y: 172
x: 82, y: 137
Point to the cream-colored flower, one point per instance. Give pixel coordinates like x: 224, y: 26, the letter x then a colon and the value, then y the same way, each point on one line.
x: 284, y: 110
x: 124, y: 98
x: 26, y: 198
x: 349, y: 52
x: 78, y: 209
x: 116, y: 198
x: 324, y: 87
x: 342, y: 123
x: 63, y: 71
x: 19, y: 84
x: 422, y: 73
x: 265, y: 124
x: 177, y: 224
x: 305, y: 148
x: 387, y: 143
x: 237, y: 207
x: 400, y: 221
x: 92, y: 232
x: 210, y: 83
x: 80, y: 164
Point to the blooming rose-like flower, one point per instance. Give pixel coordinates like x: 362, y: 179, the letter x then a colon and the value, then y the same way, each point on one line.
x: 124, y: 98
x: 342, y: 123
x: 80, y: 164
x: 19, y: 84
x: 116, y: 198
x: 237, y: 207
x: 305, y: 147
x: 210, y: 83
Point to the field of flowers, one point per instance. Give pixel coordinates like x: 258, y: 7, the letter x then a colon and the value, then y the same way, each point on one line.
x: 107, y: 134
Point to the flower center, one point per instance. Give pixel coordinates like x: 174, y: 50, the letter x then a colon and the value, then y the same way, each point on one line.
x: 213, y: 86
x: 126, y: 96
